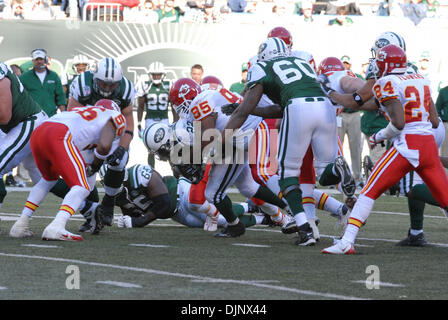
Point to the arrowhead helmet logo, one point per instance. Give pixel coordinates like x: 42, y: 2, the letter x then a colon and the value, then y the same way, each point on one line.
x: 184, y: 90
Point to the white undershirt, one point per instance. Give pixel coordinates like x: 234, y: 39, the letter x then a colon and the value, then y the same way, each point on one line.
x: 41, y: 76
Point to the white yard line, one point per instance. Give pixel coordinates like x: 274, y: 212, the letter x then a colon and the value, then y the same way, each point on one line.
x: 39, y: 246
x: 149, y: 245
x: 120, y: 284
x: 382, y: 284
x: 187, y: 276
x: 3, y: 288
x: 250, y: 245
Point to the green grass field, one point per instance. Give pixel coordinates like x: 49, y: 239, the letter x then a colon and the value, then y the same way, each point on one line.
x: 168, y: 261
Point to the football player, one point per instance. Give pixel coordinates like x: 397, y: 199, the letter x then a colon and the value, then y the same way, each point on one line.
x: 364, y: 99
x: 106, y: 81
x: 197, y: 202
x: 306, y: 112
x: 19, y: 116
x: 80, y: 63
x: 153, y: 99
x: 206, y: 108
x: 406, y: 100
x: 62, y: 146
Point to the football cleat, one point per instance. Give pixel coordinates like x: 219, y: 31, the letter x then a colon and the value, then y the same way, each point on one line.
x: 413, y: 241
x: 340, y: 247
x: 21, y: 228
x: 89, y: 213
x: 124, y: 221
x: 232, y: 231
x: 290, y: 226
x: 347, y: 181
x: 55, y: 232
x: 306, y: 237
x: 350, y: 202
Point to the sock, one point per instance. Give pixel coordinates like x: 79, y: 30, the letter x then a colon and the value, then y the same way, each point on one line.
x: 308, y: 202
x: 108, y: 201
x: 300, y: 219
x: 329, y: 177
x: 294, y: 197
x: 267, y: 195
x: 258, y: 219
x: 71, y: 203
x: 225, y: 208
x: 416, y: 232
x: 325, y: 202
x: 416, y: 210
x: 60, y: 189
x: 37, y: 194
x: 359, y: 215
x: 421, y: 192
x: 278, y: 217
x: 113, y: 181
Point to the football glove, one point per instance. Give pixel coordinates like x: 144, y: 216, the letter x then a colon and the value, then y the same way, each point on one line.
x: 228, y: 109
x: 193, y: 172
x: 373, y: 141
x: 325, y: 84
x: 91, y: 169
x: 116, y: 157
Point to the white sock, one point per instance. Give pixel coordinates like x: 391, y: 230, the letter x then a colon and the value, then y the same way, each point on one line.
x: 300, y: 218
x: 415, y: 232
x: 245, y: 206
x: 358, y: 216
x: 258, y: 219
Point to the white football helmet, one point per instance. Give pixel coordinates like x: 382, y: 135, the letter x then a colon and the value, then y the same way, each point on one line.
x: 157, y: 140
x: 107, y: 76
x: 272, y: 48
x: 80, y: 59
x: 156, y: 72
x: 387, y: 38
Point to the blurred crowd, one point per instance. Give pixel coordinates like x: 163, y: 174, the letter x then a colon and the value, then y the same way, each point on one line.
x: 216, y: 11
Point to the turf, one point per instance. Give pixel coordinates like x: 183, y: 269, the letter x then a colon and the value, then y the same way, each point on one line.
x: 179, y: 263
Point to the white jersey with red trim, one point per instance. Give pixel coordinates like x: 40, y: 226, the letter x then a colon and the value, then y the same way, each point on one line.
x: 85, y: 124
x: 211, y: 101
x: 414, y: 93
x: 304, y: 55
x: 334, y: 77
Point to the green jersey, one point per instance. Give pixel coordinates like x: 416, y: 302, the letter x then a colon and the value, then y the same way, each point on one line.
x: 156, y: 99
x: 82, y: 91
x: 134, y: 198
x: 23, y: 106
x: 285, y: 78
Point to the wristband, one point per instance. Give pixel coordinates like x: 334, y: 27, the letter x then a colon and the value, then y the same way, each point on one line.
x: 99, y: 156
x: 129, y: 132
x: 358, y: 99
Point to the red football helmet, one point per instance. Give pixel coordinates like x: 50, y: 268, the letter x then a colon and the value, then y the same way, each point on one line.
x: 211, y: 79
x: 108, y: 104
x: 391, y: 59
x: 330, y: 64
x: 182, y: 93
x: 282, y: 33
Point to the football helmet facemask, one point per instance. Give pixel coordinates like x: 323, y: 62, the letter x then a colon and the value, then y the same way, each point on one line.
x: 385, y: 39
x: 80, y: 63
x: 156, y: 72
x: 182, y: 93
x: 390, y: 59
x: 107, y: 77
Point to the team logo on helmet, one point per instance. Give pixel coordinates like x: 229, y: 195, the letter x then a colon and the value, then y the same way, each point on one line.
x: 262, y: 47
x: 159, y: 135
x: 184, y: 90
x: 382, y: 42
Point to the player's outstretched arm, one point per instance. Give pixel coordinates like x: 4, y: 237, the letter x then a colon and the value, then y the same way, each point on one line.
x: 361, y: 95
x: 250, y: 101
x: 433, y: 115
x: 5, y: 101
